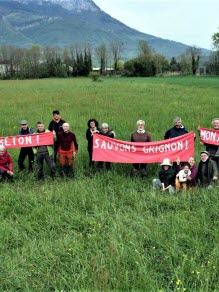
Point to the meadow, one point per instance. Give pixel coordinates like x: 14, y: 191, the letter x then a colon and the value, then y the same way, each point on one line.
x: 107, y: 231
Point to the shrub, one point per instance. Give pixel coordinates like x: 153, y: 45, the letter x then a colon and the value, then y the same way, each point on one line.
x: 94, y: 76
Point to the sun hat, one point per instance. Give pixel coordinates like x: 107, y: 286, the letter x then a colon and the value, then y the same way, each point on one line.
x: 166, y: 161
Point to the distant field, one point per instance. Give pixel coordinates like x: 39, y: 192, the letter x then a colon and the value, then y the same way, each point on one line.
x: 102, y: 232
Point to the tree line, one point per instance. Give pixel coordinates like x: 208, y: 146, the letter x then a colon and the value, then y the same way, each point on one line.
x: 38, y: 62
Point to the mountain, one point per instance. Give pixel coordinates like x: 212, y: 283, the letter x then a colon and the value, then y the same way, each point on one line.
x: 66, y: 22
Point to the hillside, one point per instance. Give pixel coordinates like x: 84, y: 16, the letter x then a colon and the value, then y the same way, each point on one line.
x: 66, y: 22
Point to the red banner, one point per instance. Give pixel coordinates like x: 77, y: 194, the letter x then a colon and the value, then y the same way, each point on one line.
x: 111, y: 150
x: 209, y: 136
x: 27, y: 140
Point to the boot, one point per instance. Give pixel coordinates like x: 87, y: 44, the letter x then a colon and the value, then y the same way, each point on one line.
x: 70, y: 172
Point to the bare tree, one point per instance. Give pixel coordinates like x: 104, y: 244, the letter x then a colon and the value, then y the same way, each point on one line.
x: 116, y: 48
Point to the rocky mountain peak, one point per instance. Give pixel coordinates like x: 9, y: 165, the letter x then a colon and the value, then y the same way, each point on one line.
x: 76, y: 5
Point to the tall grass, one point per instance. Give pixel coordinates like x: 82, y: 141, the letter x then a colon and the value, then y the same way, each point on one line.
x: 107, y: 231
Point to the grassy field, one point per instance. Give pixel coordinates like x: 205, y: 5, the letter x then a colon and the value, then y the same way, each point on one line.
x: 108, y: 231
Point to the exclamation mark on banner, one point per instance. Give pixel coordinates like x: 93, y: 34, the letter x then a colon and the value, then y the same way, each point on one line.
x: 37, y: 139
x: 187, y: 145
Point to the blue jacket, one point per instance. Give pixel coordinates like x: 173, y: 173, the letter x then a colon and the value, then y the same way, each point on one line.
x: 175, y: 132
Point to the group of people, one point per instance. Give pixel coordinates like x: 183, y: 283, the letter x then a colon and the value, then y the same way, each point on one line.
x: 65, y: 145
x: 180, y: 175
x: 187, y: 175
x: 172, y: 178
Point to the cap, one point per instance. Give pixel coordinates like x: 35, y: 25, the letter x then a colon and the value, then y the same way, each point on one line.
x: 23, y: 122
x: 206, y: 152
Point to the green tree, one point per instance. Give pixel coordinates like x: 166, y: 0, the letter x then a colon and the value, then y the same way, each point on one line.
x: 194, y: 54
x: 213, y: 62
x: 144, y: 48
x: 101, y: 53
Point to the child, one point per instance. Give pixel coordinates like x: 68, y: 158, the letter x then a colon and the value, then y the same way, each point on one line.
x: 181, y: 177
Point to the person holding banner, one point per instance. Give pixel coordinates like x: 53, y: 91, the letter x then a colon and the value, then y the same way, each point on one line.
x: 44, y: 152
x: 6, y: 165
x: 67, y: 149
x: 177, y: 130
x: 105, y: 131
x: 25, y: 151
x: 212, y: 149
x: 167, y: 175
x: 207, y: 171
x: 92, y: 129
x: 140, y: 135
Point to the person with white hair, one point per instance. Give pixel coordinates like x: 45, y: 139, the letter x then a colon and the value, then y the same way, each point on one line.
x: 67, y: 149
x: 213, y: 150
x: 207, y: 171
x: 105, y: 131
x: 6, y: 165
x: 140, y: 135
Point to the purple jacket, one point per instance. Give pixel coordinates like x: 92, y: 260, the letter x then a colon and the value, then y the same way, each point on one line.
x: 194, y: 172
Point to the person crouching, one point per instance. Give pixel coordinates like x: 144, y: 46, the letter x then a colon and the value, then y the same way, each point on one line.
x: 182, y: 177
x: 6, y: 165
x: 166, y: 179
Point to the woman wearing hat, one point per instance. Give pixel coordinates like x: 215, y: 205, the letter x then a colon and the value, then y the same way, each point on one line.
x: 6, y: 166
x: 166, y: 179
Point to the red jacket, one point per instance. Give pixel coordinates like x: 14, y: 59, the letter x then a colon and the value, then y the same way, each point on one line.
x: 6, y: 162
x: 67, y: 142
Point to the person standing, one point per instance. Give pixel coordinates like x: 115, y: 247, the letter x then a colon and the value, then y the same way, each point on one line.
x: 67, y: 149
x: 55, y: 126
x: 207, y: 171
x: 44, y: 152
x: 140, y: 135
x: 25, y: 151
x: 92, y: 129
x: 105, y: 131
x: 213, y: 150
x: 177, y: 130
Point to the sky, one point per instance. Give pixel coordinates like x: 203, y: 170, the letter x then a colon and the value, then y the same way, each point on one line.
x: 192, y: 22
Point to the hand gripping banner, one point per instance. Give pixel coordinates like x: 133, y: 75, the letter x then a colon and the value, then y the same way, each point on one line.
x: 27, y: 140
x: 209, y: 136
x: 111, y: 150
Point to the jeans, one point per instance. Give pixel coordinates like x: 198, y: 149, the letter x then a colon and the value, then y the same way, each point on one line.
x: 40, y: 157
x: 158, y: 185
